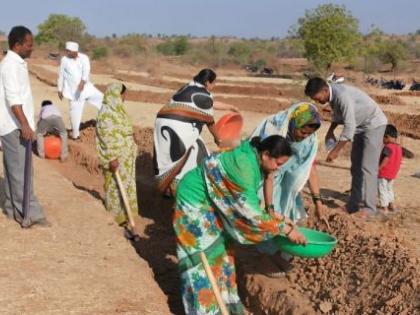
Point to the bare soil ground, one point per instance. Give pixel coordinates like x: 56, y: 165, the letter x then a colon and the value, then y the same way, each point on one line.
x: 374, y: 270
x: 81, y: 265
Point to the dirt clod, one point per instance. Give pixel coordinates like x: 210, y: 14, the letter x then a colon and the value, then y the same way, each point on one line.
x: 325, y: 307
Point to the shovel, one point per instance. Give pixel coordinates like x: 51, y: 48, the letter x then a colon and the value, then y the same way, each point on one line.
x: 212, y: 279
x: 27, y: 184
x: 126, y: 203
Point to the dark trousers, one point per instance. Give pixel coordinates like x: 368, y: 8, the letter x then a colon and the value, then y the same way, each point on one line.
x: 365, y: 154
x: 14, y: 170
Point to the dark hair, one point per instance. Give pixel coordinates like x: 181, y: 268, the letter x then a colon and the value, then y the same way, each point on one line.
x: 204, y: 76
x: 45, y: 103
x: 276, y: 146
x: 391, y: 131
x: 314, y: 85
x: 17, y: 35
x: 124, y: 88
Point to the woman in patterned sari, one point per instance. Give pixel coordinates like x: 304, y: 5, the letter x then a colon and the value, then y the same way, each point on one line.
x: 117, y: 151
x: 216, y: 203
x: 298, y: 125
x: 178, y: 146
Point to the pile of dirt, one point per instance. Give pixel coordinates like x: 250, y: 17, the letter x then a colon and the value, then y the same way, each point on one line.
x: 388, y: 99
x: 369, y: 272
x: 408, y: 93
x: 407, y: 124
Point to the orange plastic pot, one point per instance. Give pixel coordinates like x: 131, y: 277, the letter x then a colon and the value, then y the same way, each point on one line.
x: 229, y: 127
x: 52, y: 147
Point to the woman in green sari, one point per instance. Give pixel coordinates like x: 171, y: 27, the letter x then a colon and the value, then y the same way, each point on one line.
x: 216, y: 202
x: 117, y: 151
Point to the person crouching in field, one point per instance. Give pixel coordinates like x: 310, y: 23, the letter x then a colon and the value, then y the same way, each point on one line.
x: 389, y: 167
x: 117, y: 151
x: 51, y: 122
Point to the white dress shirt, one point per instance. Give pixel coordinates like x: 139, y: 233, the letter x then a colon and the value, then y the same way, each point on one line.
x: 72, y: 71
x: 15, y: 89
x: 48, y: 111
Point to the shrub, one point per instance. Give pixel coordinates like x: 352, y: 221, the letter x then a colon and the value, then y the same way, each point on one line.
x: 392, y: 52
x: 240, y: 51
x: 174, y: 47
x: 100, y: 52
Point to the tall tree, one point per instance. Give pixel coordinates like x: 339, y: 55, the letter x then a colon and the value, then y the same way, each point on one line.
x: 329, y: 33
x: 59, y: 28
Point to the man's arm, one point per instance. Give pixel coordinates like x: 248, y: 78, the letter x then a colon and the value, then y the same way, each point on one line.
x: 346, y: 105
x: 26, y: 131
x: 349, y: 120
x: 13, y: 96
x: 60, y: 81
x: 330, y: 132
x: 85, y: 73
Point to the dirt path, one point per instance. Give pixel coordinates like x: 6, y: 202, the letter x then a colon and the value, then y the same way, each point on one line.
x: 81, y: 265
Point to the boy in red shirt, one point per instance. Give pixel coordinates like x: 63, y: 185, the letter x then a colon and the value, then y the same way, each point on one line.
x: 389, y: 167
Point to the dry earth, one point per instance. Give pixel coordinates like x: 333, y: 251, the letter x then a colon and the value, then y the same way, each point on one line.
x: 82, y: 265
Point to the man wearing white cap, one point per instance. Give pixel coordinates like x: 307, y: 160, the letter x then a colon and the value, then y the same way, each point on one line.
x: 74, y: 85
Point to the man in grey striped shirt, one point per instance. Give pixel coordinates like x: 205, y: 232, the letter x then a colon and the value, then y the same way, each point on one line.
x: 364, y: 125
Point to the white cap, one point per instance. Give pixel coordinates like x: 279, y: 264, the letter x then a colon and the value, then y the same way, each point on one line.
x: 72, y: 46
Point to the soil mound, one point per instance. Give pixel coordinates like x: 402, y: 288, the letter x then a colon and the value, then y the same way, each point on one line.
x: 388, y: 99
x: 368, y: 273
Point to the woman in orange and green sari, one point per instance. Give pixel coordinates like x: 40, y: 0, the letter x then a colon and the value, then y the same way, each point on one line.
x: 216, y: 202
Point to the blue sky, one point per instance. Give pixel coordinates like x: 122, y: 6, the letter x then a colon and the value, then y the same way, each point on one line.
x: 242, y: 18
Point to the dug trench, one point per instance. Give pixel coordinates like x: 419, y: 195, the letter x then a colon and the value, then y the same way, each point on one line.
x: 369, y: 272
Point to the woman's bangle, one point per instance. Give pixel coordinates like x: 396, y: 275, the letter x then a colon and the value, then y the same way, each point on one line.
x: 291, y: 229
x: 316, y: 197
x: 269, y: 207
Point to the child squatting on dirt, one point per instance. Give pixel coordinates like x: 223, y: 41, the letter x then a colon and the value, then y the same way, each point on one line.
x: 389, y: 166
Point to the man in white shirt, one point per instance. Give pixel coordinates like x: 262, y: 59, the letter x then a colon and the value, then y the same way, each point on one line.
x: 74, y: 85
x: 17, y: 127
x: 51, y: 122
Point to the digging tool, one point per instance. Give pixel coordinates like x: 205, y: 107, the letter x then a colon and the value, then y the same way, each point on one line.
x: 126, y: 203
x: 214, y: 286
x: 27, y: 184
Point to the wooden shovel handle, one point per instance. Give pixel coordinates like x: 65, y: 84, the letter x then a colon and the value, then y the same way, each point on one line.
x: 214, y: 286
x: 125, y: 200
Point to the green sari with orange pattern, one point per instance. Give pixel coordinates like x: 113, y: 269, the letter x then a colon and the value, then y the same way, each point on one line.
x: 215, y: 202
